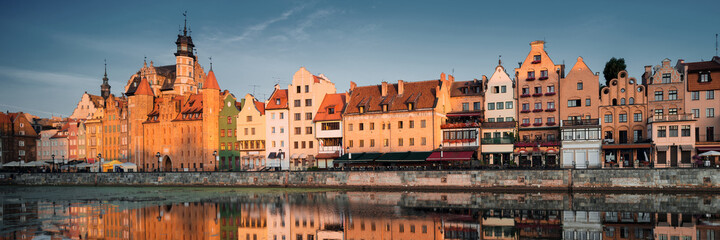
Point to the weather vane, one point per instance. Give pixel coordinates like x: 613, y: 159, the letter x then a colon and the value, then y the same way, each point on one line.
x: 210, y: 62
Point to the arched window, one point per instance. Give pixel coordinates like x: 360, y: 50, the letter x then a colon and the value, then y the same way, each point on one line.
x: 631, y: 101
x: 614, y: 102
x: 622, y: 101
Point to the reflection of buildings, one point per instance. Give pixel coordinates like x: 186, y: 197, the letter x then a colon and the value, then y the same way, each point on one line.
x: 538, y: 224
x: 708, y: 227
x: 499, y: 224
x: 675, y: 226
x: 627, y: 225
x: 253, y: 222
x: 582, y: 225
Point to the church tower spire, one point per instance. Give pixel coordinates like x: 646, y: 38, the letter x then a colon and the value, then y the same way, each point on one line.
x: 185, y: 62
x: 105, y: 87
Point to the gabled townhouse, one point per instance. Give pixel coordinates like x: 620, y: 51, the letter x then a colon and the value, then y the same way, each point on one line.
x: 229, y: 152
x: 251, y: 134
x: 499, y: 129
x: 277, y: 129
x: 579, y: 124
x: 461, y: 130
x: 702, y: 85
x: 329, y: 132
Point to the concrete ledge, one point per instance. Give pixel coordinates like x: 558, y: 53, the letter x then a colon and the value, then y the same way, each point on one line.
x: 480, y: 180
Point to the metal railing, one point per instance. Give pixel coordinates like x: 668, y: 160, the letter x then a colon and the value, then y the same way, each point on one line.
x: 498, y: 140
x: 671, y: 118
x: 580, y: 122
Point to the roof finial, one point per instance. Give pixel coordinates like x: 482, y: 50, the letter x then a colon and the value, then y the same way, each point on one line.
x: 105, y: 60
x: 499, y: 60
x: 210, y: 62
x: 185, y: 27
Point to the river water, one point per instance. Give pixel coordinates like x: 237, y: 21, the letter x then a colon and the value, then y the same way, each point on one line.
x: 312, y: 214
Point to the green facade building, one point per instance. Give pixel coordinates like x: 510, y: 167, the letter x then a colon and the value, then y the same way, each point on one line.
x: 229, y: 155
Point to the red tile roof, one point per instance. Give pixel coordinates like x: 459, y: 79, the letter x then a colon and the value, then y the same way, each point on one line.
x: 336, y: 102
x: 713, y: 64
x: 457, y: 88
x: 211, y: 82
x: 423, y: 94
x: 144, y: 88
x: 260, y: 106
x: 4, y: 118
x: 282, y: 95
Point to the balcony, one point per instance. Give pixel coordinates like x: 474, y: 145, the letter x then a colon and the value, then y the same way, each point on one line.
x: 581, y: 122
x: 549, y: 93
x: 524, y: 95
x: 537, y: 143
x: 460, y: 125
x: 537, y: 94
x: 498, y: 140
x: 671, y: 118
x: 486, y: 125
x: 550, y: 110
x: 530, y: 79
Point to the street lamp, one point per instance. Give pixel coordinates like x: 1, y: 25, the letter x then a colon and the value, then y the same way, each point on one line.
x: 101, y: 161
x: 215, y: 156
x: 53, y: 159
x: 441, y: 151
x: 280, y: 153
x: 159, y: 161
x: 347, y: 150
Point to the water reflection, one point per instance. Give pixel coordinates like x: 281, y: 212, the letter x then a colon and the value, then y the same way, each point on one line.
x: 133, y: 213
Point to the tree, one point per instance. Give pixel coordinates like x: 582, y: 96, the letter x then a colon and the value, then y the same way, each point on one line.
x: 612, y: 68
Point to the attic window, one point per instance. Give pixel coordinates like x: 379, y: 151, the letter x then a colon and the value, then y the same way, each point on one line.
x: 331, y: 110
x: 464, y: 90
x: 411, y: 106
x: 477, y: 89
x: 361, y: 109
x: 277, y: 101
x: 704, y: 77
x: 536, y: 59
x: 384, y: 107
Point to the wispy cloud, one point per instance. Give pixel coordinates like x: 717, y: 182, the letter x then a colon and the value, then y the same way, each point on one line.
x: 9, y: 74
x: 258, y: 28
x: 309, y: 21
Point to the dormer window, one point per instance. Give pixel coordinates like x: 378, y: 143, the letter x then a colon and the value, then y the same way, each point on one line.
x: 361, y: 109
x: 464, y: 90
x: 331, y: 110
x: 411, y: 106
x: 704, y: 77
x: 536, y: 59
x: 477, y: 89
x: 384, y: 107
x: 277, y: 101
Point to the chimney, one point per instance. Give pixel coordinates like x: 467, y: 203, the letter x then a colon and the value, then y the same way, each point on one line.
x: 353, y: 85
x: 442, y: 76
x: 451, y: 78
x: 648, y: 70
x: 401, y: 87
x: 384, y: 88
x: 538, y: 45
x: 277, y: 86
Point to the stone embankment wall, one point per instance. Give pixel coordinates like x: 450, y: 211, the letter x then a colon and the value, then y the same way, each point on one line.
x: 601, y: 179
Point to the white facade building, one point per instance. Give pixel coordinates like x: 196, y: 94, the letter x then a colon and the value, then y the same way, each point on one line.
x: 499, y: 127
x: 277, y: 130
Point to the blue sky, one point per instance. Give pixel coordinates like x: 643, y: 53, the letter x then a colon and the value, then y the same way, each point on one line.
x: 54, y: 50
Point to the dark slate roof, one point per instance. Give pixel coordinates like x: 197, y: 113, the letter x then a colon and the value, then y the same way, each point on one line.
x: 713, y: 64
x: 133, y: 86
x: 456, y: 89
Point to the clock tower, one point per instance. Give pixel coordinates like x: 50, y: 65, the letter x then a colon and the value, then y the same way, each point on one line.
x: 185, y: 62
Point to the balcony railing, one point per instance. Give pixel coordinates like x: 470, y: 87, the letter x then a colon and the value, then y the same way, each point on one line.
x: 581, y: 122
x: 498, y: 124
x: 460, y: 125
x: 498, y: 140
x: 537, y: 143
x: 671, y: 118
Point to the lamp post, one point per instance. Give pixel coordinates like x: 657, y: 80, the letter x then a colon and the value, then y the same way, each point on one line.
x: 347, y: 150
x: 441, y: 151
x: 157, y: 155
x: 53, y: 159
x: 101, y: 161
x: 216, y: 157
x: 280, y: 157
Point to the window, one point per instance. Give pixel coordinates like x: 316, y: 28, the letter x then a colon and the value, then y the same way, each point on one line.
x: 500, y: 105
x: 372, y: 126
x: 282, y: 115
x: 21, y: 143
x: 362, y: 143
x: 531, y: 75
x: 658, y: 95
x: 229, y: 119
x: 661, y: 131
x: 297, y: 103
x: 672, y: 111
x: 658, y: 112
x: 361, y: 109
x: 622, y: 101
x: 386, y: 142
x: 400, y: 142
x: 551, y: 119
x: 331, y: 110
x: 696, y: 113
x: 411, y: 141
x: 580, y: 86
x: 544, y: 74
x: 277, y: 101
x: 710, y: 112
x: 308, y: 130
x: 372, y: 142
x: 400, y: 124
x: 273, y: 129
x: 422, y: 123
x: 308, y: 116
x: 695, y: 95
x: 307, y: 88
x: 308, y: 102
x: 550, y: 105
x: 608, y: 118
x: 509, y: 105
x: 622, y: 117
x: 491, y: 106
x: 685, y: 130
x: 423, y: 141
x: 249, y: 118
x: 298, y: 130
x: 328, y: 126
x: 637, y: 117
x: 477, y: 106
x: 412, y: 124
x: 631, y: 101
x: 526, y: 90
x: 297, y: 117
x: 587, y: 102
x: 538, y: 105
x: 673, y: 131
x: 710, y: 94
x: 666, y: 78
x: 538, y: 120
x: 538, y: 90
x: 704, y: 77
x: 551, y: 89
x: 574, y: 103
x: 466, y: 106
x: 350, y: 127
x: 536, y: 59
x: 672, y: 95
x: 350, y: 143
x: 526, y: 107
x: 503, y: 89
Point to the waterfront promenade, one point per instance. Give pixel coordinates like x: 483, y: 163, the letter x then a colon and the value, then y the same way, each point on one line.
x: 509, y: 180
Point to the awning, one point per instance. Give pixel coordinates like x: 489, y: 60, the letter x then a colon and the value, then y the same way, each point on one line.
x: 662, y: 148
x: 294, y: 156
x: 451, y: 156
x: 272, y: 155
x: 332, y: 155
x: 552, y: 151
x: 521, y: 151
x: 464, y: 114
x: 404, y: 157
x: 626, y: 146
x: 705, y: 149
x: 357, y: 157
x: 302, y: 156
x: 686, y: 147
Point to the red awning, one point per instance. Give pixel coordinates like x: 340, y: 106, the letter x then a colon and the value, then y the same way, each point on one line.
x: 464, y: 114
x: 327, y: 155
x: 705, y: 149
x: 451, y: 156
x: 552, y: 150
